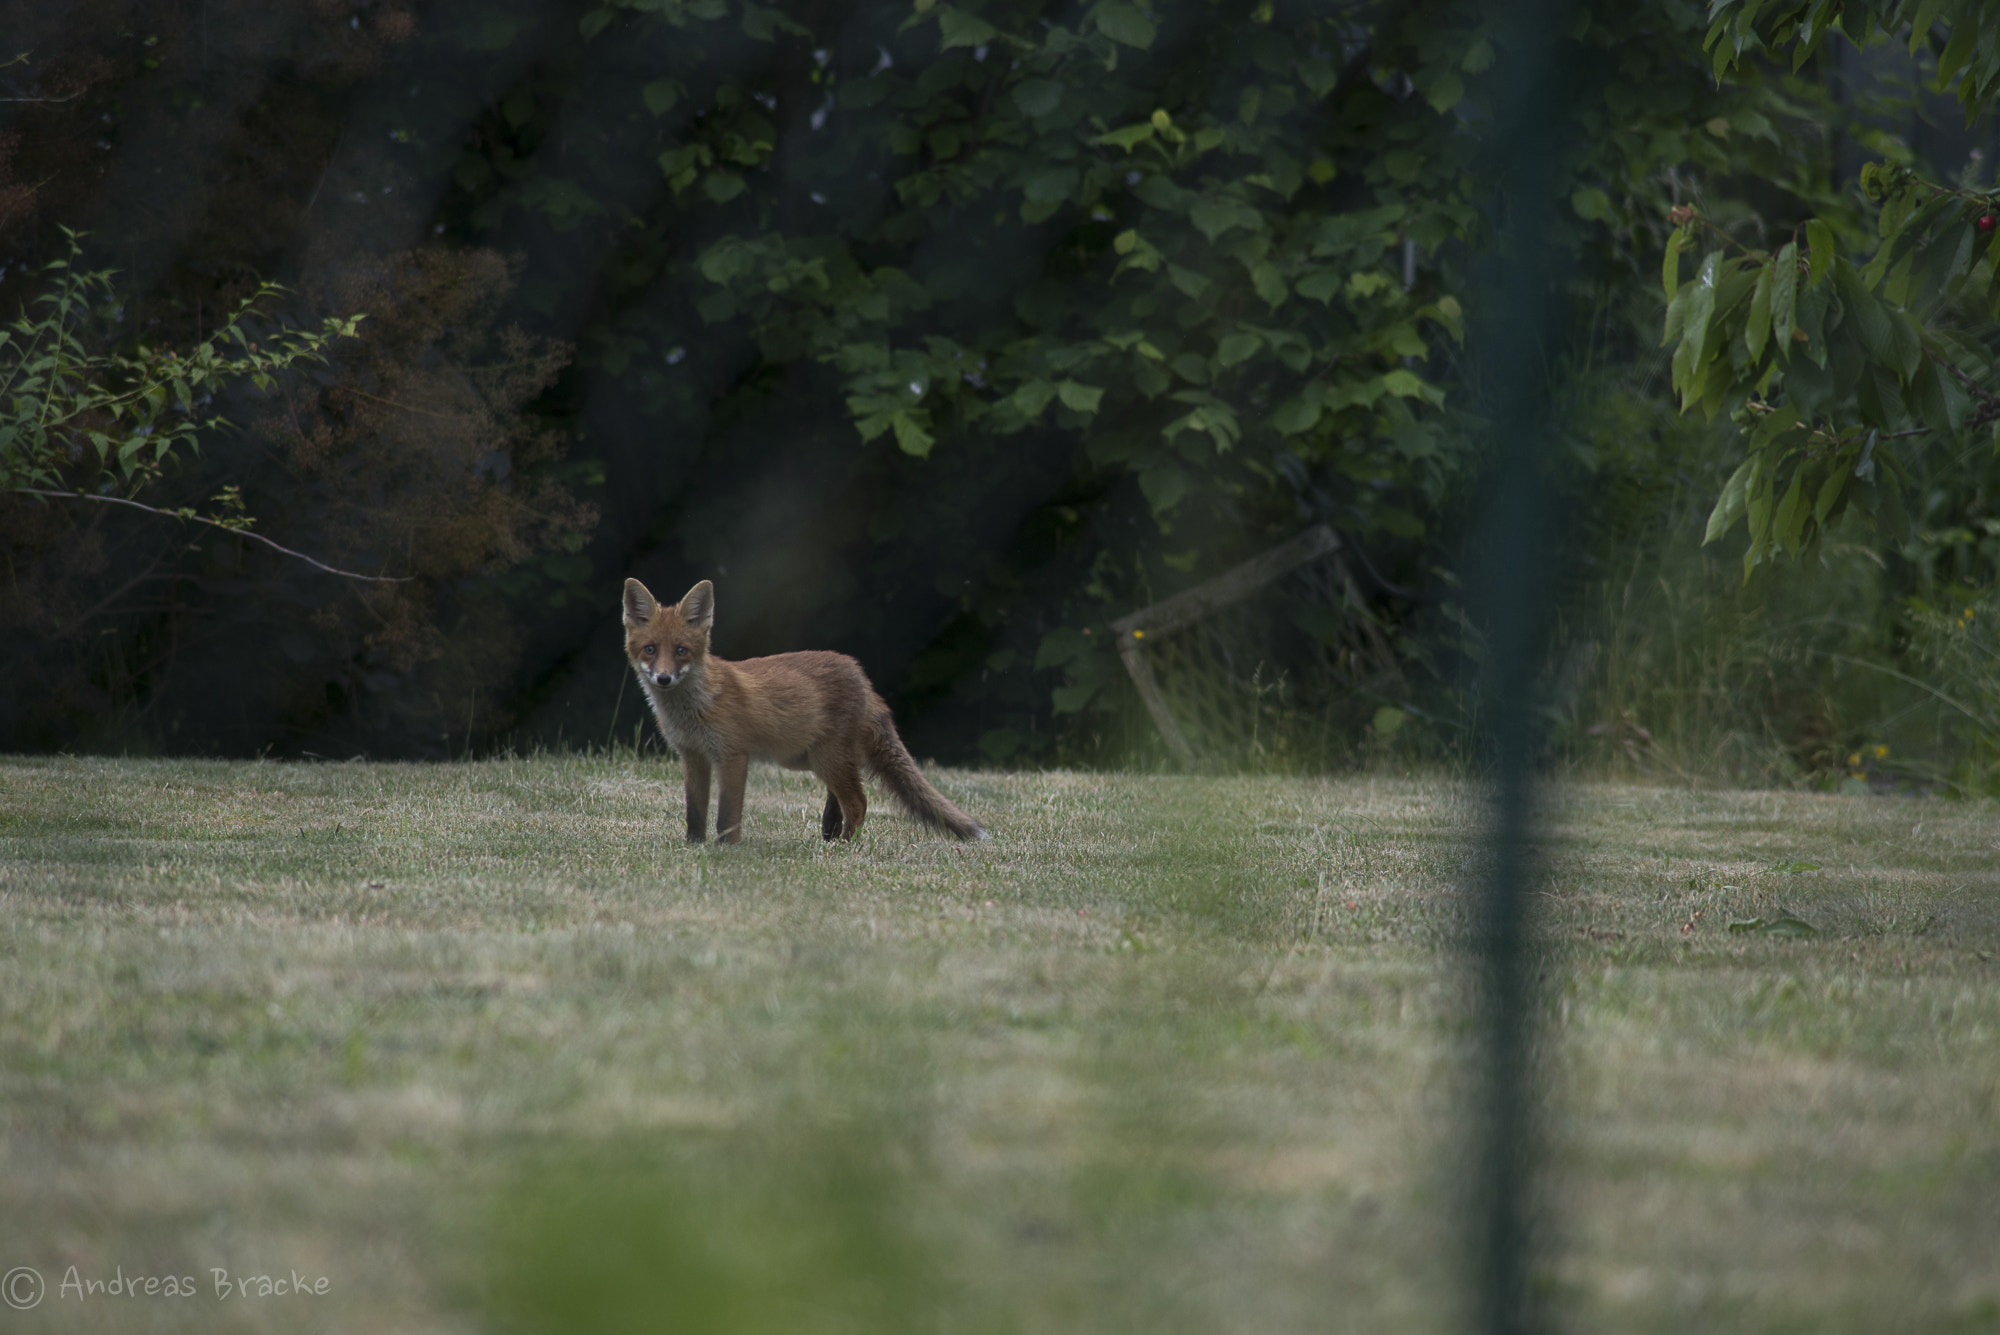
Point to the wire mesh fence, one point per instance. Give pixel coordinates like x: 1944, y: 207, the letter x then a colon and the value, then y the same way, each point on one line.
x: 1261, y: 666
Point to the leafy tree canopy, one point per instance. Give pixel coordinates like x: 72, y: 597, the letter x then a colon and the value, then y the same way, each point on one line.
x: 957, y: 329
x: 1855, y: 333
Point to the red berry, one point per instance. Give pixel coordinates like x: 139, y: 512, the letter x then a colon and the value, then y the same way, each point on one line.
x: 1988, y: 223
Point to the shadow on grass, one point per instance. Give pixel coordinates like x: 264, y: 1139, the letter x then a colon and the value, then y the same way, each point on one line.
x: 731, y: 1232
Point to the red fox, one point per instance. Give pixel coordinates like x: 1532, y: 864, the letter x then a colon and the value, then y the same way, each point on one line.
x: 814, y: 711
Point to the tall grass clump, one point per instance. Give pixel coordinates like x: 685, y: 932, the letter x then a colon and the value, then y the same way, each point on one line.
x: 1865, y: 664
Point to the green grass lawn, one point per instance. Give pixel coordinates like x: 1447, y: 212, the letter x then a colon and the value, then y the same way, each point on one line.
x: 489, y: 1048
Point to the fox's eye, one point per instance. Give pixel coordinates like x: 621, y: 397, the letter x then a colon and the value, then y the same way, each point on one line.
x: 650, y: 650
x: 680, y: 651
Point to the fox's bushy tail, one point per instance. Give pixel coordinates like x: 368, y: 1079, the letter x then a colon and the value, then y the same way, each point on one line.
x: 898, y: 771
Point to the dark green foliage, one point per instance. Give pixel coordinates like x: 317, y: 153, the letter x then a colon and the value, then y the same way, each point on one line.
x: 942, y: 335
x: 64, y: 402
x: 1961, y: 36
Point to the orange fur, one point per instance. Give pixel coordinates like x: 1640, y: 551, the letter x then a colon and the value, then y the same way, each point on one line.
x: 811, y: 711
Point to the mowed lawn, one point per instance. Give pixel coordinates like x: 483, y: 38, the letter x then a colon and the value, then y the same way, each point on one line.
x: 488, y: 1047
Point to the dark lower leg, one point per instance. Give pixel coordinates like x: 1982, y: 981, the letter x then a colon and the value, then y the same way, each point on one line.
x: 697, y: 771
x: 729, y: 811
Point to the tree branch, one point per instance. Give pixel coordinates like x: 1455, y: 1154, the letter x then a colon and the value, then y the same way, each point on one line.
x: 403, y: 407
x: 1989, y: 406
x: 199, y: 519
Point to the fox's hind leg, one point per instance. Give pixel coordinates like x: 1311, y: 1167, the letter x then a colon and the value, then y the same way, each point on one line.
x: 729, y: 807
x: 846, y: 799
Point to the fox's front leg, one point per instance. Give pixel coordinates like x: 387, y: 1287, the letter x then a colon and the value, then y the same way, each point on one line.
x: 729, y: 811
x: 696, y: 768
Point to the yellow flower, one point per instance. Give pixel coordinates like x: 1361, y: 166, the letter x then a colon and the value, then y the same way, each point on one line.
x: 1881, y: 751
x: 1138, y: 634
x: 1854, y: 760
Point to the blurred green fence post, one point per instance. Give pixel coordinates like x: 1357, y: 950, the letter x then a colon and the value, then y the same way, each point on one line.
x: 1518, y: 315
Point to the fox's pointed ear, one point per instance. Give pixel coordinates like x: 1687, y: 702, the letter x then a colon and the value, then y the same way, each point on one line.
x: 698, y: 608
x: 639, y: 604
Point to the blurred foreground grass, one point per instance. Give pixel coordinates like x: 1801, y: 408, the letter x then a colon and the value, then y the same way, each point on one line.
x: 491, y: 1049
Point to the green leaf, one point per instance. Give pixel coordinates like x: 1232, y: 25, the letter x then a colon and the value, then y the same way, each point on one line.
x: 716, y: 307
x: 910, y: 437
x: 1690, y: 356
x: 1866, y: 314
x: 1820, y: 250
x: 681, y: 166
x: 1728, y: 506
x: 1593, y: 205
x: 1757, y: 503
x: 1139, y: 252
x: 763, y: 23
x: 1269, y: 283
x: 1064, y: 644
x: 1038, y: 97
x: 1079, y: 397
x: 595, y: 22
x: 1190, y: 283
x: 1943, y: 261
x: 1214, y: 216
x: 1163, y: 487
x: 660, y: 96
x: 1127, y: 138
x: 1957, y: 51
x: 1878, y: 396
x: 1758, y: 331
x: 1677, y: 310
x: 1784, y: 294
x: 1032, y: 397
x: 1446, y: 91
x: 1830, y: 492
x: 1404, y: 340
x: 1122, y: 22
x: 1295, y: 415
x: 1403, y: 384
x: 1670, y: 266
x: 1789, y: 521
x: 1051, y: 185
x: 1072, y: 699
x: 1322, y: 285
x: 1814, y: 302
x: 1237, y: 347
x: 722, y: 186
x: 958, y: 28
x: 1935, y: 399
